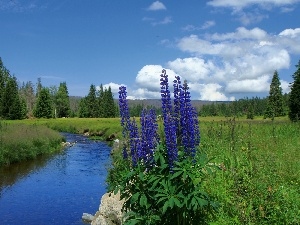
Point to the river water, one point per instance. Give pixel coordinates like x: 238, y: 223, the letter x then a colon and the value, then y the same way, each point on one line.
x: 56, y: 189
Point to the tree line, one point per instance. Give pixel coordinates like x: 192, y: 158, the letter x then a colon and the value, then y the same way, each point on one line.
x: 31, y: 100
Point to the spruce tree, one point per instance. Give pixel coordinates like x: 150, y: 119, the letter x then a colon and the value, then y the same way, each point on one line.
x: 83, y: 110
x: 91, y: 103
x: 62, y: 102
x: 4, y: 75
x: 109, y: 104
x: 11, y: 105
x: 101, y: 102
x: 294, y: 99
x: 43, y: 107
x: 275, y: 105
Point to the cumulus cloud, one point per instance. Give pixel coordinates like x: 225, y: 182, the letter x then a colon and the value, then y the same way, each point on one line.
x: 192, y: 69
x: 222, y: 65
x: 210, y: 92
x: 259, y: 84
x: 149, y: 77
x: 157, y: 5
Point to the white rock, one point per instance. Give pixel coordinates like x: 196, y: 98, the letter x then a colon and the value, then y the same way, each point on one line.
x: 109, y: 211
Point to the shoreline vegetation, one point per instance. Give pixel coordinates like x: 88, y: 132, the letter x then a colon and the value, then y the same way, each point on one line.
x: 26, y: 139
x: 19, y: 142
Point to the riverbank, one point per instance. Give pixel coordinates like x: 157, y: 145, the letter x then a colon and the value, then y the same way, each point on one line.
x: 19, y: 142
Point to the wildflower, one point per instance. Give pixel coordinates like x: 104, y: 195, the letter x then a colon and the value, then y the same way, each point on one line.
x: 125, y: 118
x: 149, y: 136
x: 188, y: 122
x: 168, y: 120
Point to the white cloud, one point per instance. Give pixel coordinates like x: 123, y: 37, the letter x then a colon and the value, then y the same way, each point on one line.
x: 149, y: 77
x: 293, y: 33
x: 225, y: 64
x: 191, y: 69
x: 165, y: 21
x: 157, y: 5
x: 206, y: 25
x: 114, y: 88
x: 253, y: 14
x: 260, y: 84
x: 241, y: 33
x: 245, y: 3
x: 285, y: 86
x: 142, y: 93
x: 210, y: 92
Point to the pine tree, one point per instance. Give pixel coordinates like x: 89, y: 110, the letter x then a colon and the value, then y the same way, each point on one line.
x: 83, y: 109
x: 62, y: 102
x: 109, y: 104
x: 91, y: 103
x: 11, y: 105
x: 294, y: 99
x: 101, y: 101
x: 4, y: 75
x: 275, y: 105
x: 43, y: 107
x: 28, y: 95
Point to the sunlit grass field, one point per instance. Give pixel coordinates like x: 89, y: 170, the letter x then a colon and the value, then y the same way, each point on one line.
x: 20, y: 142
x: 259, y: 177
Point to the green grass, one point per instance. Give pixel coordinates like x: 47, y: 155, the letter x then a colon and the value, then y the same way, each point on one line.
x: 22, y: 142
x: 105, y: 126
x: 259, y: 177
x: 259, y: 180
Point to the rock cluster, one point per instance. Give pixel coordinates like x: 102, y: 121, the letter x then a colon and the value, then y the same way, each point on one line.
x: 110, y: 210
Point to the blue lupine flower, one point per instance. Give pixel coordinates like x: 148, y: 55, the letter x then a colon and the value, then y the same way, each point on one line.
x: 188, y: 123
x: 168, y: 120
x: 180, y: 126
x: 148, y: 135
x: 176, y: 114
x: 125, y: 118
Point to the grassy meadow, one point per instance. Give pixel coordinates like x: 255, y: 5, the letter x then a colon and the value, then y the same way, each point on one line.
x: 20, y: 142
x: 259, y: 177
x: 258, y: 181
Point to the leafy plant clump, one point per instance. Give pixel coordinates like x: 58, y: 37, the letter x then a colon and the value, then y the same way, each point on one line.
x: 162, y: 176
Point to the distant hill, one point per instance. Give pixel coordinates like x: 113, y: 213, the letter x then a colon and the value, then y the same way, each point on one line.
x: 157, y: 102
x: 74, y: 102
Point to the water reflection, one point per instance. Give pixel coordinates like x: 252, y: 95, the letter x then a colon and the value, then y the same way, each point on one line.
x: 9, y: 175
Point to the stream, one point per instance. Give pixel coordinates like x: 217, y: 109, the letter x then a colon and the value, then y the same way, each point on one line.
x: 55, y: 189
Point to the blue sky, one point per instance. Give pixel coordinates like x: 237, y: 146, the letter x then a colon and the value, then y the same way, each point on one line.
x: 225, y: 49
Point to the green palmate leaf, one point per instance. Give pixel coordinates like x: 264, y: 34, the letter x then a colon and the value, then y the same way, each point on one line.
x: 154, y: 185
x: 135, y: 197
x: 165, y: 207
x: 178, y: 173
x: 171, y: 202
x: 143, y: 200
x: 165, y: 198
x: 177, y: 202
x: 202, y: 202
